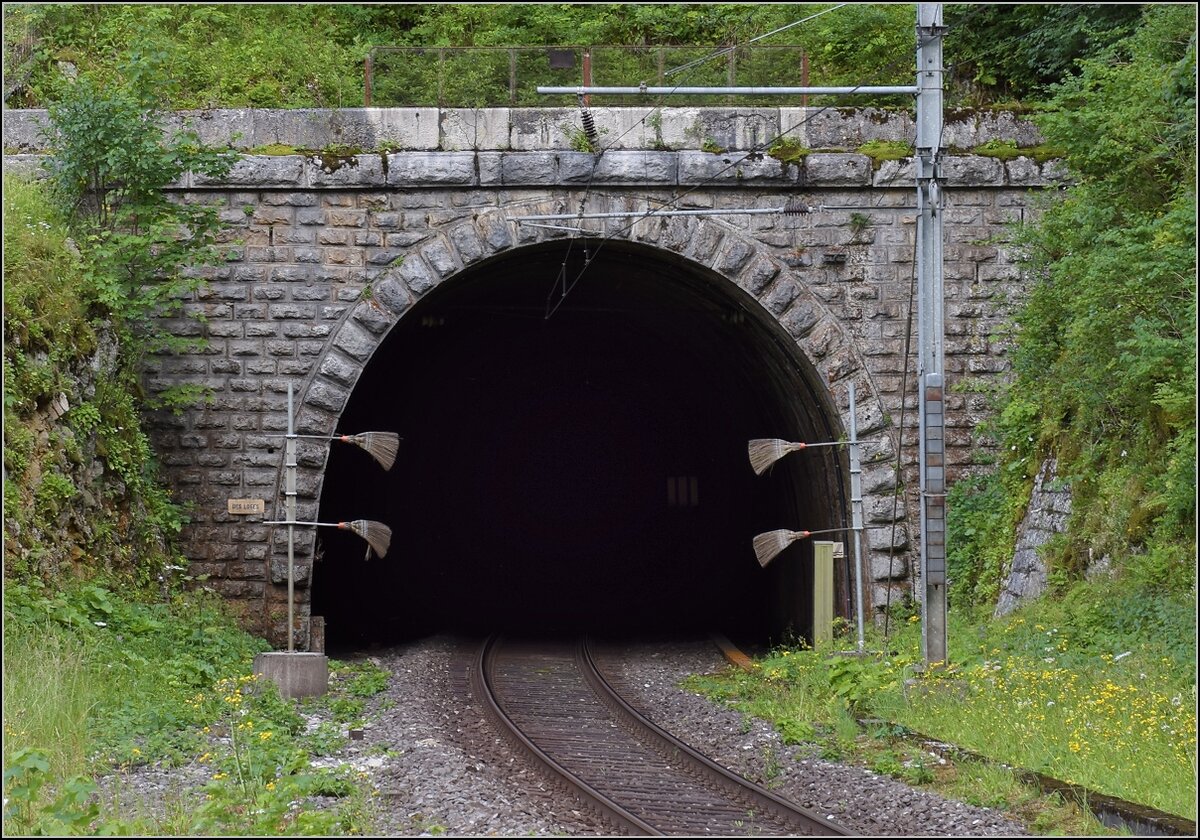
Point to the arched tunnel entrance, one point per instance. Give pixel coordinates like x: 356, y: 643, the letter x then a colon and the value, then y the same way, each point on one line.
x: 583, y: 471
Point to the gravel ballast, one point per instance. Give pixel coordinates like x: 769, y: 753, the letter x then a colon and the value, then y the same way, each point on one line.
x: 434, y: 765
x: 454, y: 773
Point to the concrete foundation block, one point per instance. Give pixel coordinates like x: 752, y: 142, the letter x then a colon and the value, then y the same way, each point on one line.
x: 296, y: 674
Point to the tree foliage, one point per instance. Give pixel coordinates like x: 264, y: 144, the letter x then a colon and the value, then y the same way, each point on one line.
x: 310, y: 55
x: 1016, y: 51
x: 94, y: 255
x: 111, y: 166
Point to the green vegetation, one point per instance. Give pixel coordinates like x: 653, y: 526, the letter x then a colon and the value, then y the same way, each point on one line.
x: 1105, y: 349
x: 1098, y: 689
x: 1018, y: 51
x: 1009, y: 150
x: 54, y: 330
x: 1095, y: 683
x: 880, y: 150
x: 305, y: 56
x: 1001, y: 149
x: 788, y: 150
x: 293, y: 56
x: 92, y: 258
x: 96, y: 684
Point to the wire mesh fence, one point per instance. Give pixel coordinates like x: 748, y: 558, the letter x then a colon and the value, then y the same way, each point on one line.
x: 479, y: 77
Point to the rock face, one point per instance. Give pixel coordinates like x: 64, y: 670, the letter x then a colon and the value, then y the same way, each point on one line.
x: 1049, y: 510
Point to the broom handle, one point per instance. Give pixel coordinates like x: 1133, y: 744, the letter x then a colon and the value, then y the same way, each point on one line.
x: 823, y: 531
x: 827, y: 443
x: 343, y: 437
x: 294, y: 522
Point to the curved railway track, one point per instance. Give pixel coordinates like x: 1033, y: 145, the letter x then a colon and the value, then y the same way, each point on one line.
x: 551, y: 702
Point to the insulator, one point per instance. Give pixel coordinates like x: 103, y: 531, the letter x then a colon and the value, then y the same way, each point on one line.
x: 796, y: 208
x: 589, y: 127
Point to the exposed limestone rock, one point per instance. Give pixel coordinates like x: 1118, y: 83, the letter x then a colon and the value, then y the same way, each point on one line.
x: 1049, y: 510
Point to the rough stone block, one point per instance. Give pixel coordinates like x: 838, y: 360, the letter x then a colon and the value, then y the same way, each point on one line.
x: 729, y: 128
x: 474, y: 128
x: 972, y: 171
x: 733, y: 168
x: 325, y: 170
x: 635, y: 167
x: 422, y: 169
x: 23, y: 130
x: 355, y: 341
x: 258, y: 171
x: 887, y: 566
x: 543, y: 128
x: 837, y: 170
x: 529, y: 168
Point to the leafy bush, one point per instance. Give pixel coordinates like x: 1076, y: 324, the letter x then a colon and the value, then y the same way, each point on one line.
x: 112, y: 164
x: 1105, y: 350
x: 1017, y: 51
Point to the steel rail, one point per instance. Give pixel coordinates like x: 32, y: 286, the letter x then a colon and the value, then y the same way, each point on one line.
x: 553, y: 703
x: 483, y: 688
x: 670, y: 747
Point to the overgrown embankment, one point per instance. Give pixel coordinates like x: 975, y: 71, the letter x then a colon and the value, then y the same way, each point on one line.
x: 1104, y: 348
x: 79, y: 481
x: 109, y: 668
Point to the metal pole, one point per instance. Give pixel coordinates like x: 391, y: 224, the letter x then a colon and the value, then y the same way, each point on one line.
x: 587, y: 74
x: 804, y: 76
x: 512, y: 78
x: 290, y: 492
x: 368, y: 80
x: 930, y: 329
x: 856, y: 513
x: 793, y: 209
x: 731, y: 91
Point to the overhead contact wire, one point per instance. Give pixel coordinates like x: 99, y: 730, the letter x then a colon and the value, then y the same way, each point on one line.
x: 657, y: 107
x: 756, y: 149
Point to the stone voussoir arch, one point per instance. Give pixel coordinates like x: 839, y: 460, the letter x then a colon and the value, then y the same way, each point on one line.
x: 478, y: 234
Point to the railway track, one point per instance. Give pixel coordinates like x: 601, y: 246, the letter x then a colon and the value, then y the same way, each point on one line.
x: 551, y: 702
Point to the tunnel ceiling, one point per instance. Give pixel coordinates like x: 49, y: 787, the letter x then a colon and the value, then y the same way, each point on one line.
x: 557, y: 469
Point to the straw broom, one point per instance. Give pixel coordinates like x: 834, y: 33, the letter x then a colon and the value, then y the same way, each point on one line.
x: 766, y: 451
x: 768, y: 546
x: 382, y: 446
x: 377, y: 535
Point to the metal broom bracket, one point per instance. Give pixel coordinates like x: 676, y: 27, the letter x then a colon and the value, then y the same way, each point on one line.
x: 764, y: 452
x: 382, y: 446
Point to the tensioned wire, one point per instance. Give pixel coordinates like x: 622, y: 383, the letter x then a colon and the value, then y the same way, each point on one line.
x: 562, y: 275
x: 757, y: 149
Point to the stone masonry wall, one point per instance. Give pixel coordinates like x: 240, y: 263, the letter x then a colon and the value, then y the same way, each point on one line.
x: 309, y: 233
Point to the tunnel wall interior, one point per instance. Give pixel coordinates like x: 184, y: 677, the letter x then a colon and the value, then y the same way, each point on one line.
x: 582, y: 471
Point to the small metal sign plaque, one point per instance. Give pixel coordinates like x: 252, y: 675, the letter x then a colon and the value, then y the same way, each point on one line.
x: 247, y: 506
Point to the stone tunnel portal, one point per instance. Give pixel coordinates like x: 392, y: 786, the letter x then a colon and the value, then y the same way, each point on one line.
x: 582, y: 471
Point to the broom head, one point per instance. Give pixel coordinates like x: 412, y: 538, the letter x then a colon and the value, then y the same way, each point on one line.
x: 382, y: 446
x: 768, y: 546
x: 766, y: 451
x: 377, y: 535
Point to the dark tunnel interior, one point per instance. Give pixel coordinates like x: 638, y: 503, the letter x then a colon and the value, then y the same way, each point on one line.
x: 585, y: 471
